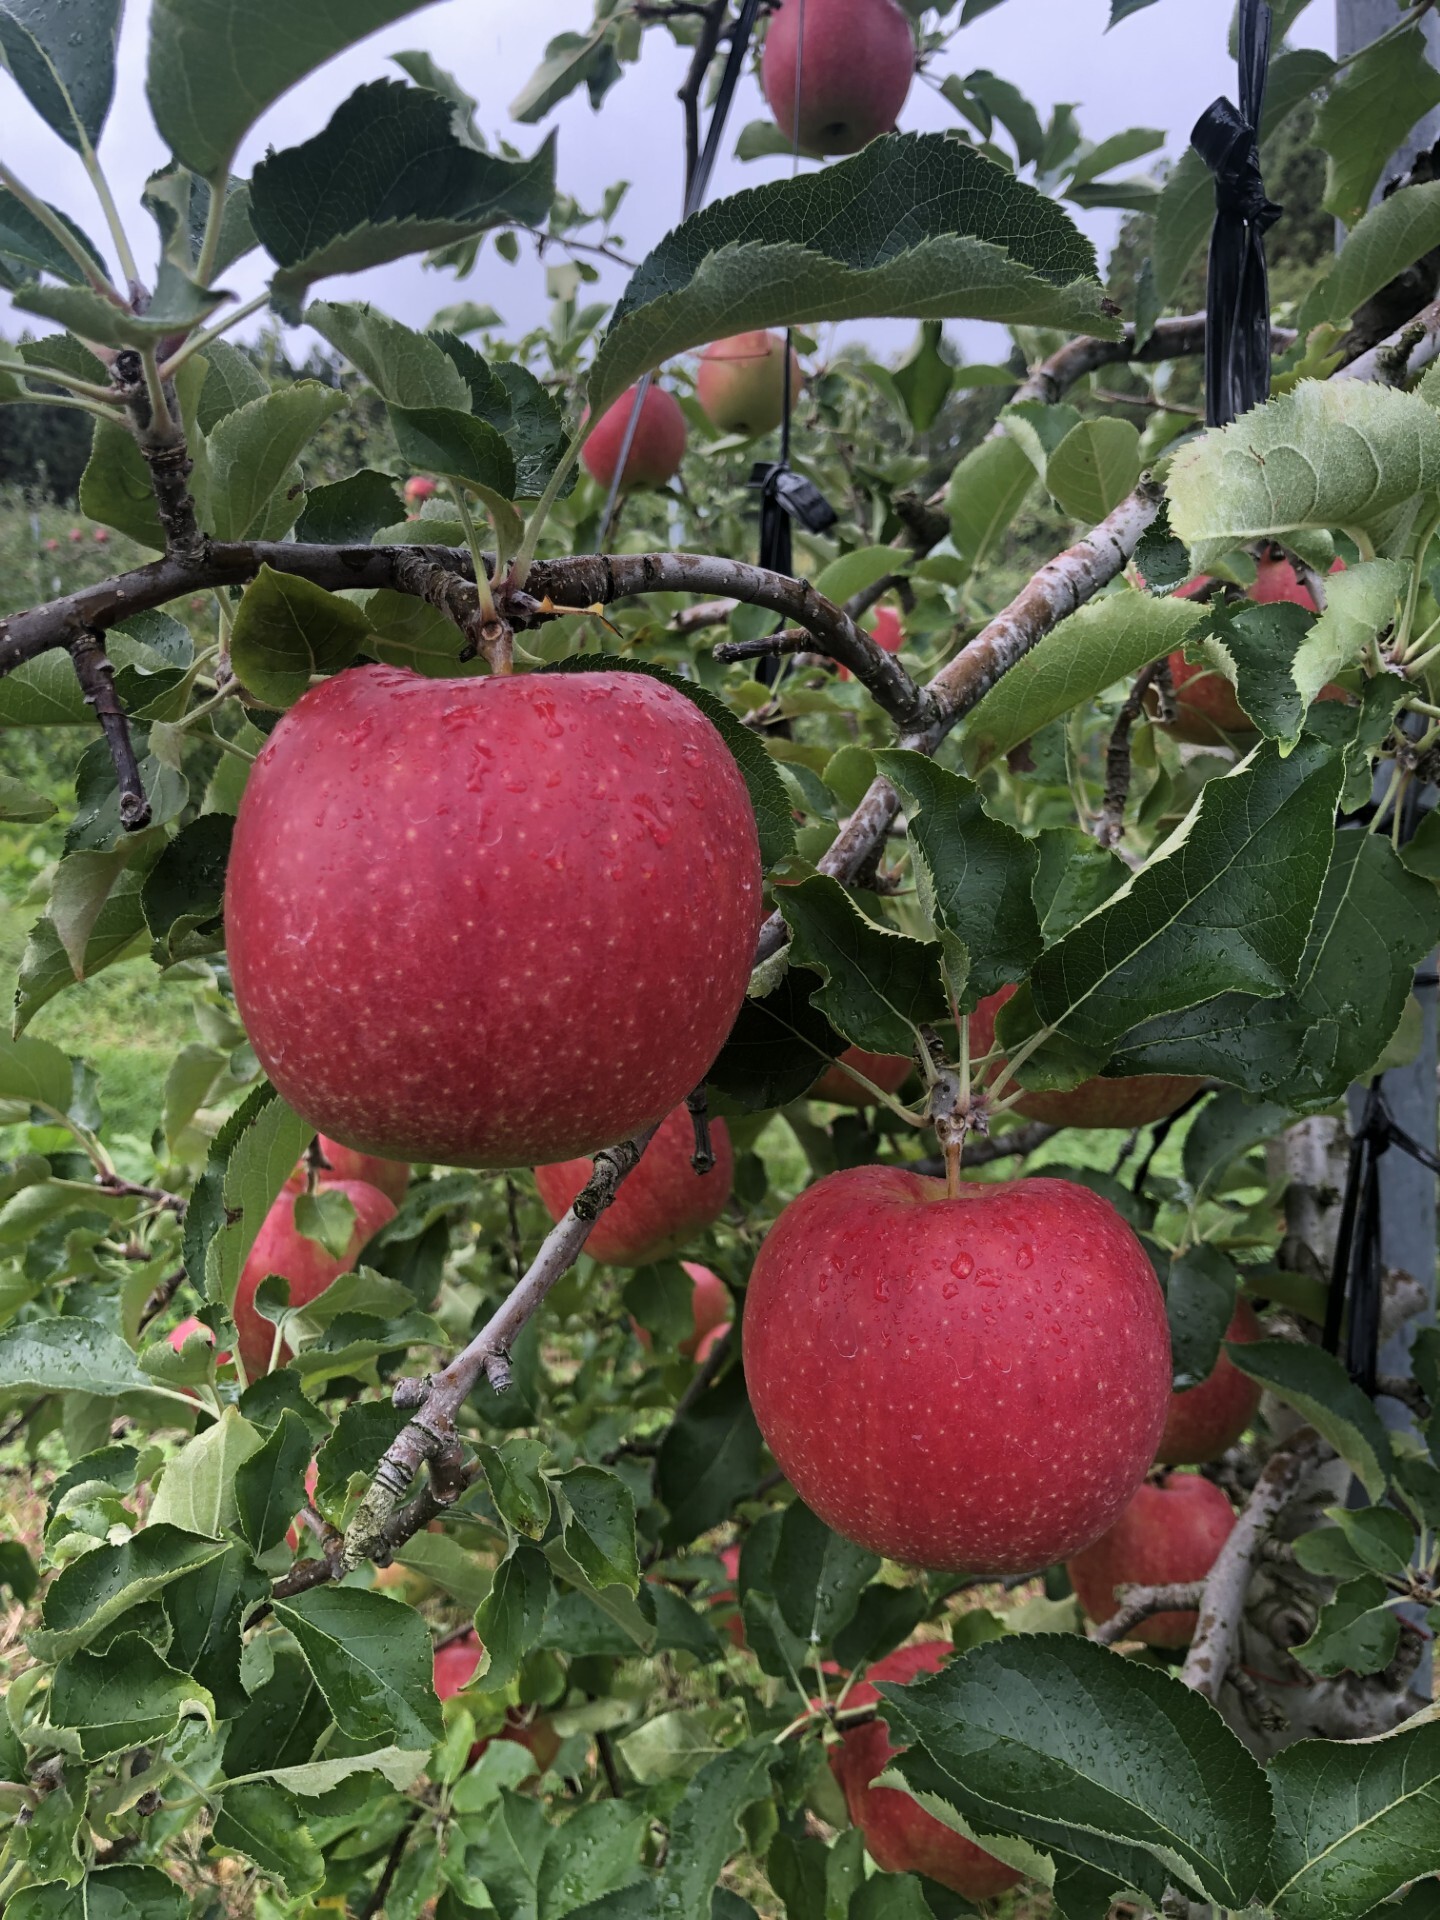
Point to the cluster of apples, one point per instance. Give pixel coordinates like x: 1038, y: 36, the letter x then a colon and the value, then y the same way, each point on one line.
x: 835, y: 75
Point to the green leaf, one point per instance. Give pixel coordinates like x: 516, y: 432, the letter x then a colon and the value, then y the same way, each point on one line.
x: 1374, y: 923
x: 1073, y: 877
x: 45, y: 968
x: 21, y: 803
x: 401, y: 1766
x: 106, y: 1893
x: 597, y: 1849
x: 203, y: 105
x: 348, y: 512
x: 1254, y: 647
x: 768, y: 794
x: 709, y: 1459
x: 82, y: 884
x: 1225, y: 1128
x: 36, y: 1072
x: 1076, y: 1750
x: 28, y: 247
x: 1394, y: 234
x: 407, y: 369
x: 917, y: 226
x: 1094, y: 467
x: 597, y: 1513
x: 328, y: 1218
x: 270, y: 1484
x: 1379, y: 96
x: 1117, y: 151
x: 183, y: 894
x: 115, y: 487
x: 95, y: 824
x: 818, y: 1576
x: 1225, y: 903
x: 287, y: 629
x: 777, y: 1047
x: 986, y: 491
x: 388, y: 176
x: 265, y: 1823
x: 178, y: 305
x: 509, y: 1620
x: 1359, y: 604
x: 533, y: 426
x: 455, y: 445
x: 1331, y: 454
x: 250, y: 1160
x: 1354, y: 1820
x: 705, y: 1827
x: 1097, y: 646
x: 90, y: 1593
x: 124, y: 1697
x: 251, y: 452
x: 1382, y: 1540
x: 63, y: 61
x: 924, y: 382
x: 568, y: 63
x: 198, y: 1488
x: 853, y: 572
x: 975, y: 873
x: 1321, y: 1391
x: 208, y: 1609
x: 372, y: 1660
x: 179, y: 203
x: 1200, y: 1304
x: 878, y: 985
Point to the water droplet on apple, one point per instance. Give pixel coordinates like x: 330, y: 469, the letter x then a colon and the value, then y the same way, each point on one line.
x: 1024, y: 1255
x: 962, y: 1266
x: 950, y: 1289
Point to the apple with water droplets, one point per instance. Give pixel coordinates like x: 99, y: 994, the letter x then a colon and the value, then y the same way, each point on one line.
x: 493, y: 922
x: 1171, y: 1532
x: 661, y: 1206
x: 853, y: 60
x: 973, y: 1383
x: 900, y: 1835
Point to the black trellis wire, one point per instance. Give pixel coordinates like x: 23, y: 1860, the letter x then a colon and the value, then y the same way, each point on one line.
x: 1237, y: 293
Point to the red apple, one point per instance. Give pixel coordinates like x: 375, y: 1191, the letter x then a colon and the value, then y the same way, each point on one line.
x: 76, y: 536
x: 182, y: 1331
x: 741, y: 382
x: 1206, y: 708
x: 52, y: 546
x: 518, y: 922
x: 856, y: 65
x: 976, y: 1384
x: 900, y: 1835
x: 711, y: 1305
x: 887, y: 1070
x: 655, y: 452
x: 708, y: 1342
x: 419, y: 487
x: 281, y: 1248
x: 292, y: 1532
x: 100, y: 536
x: 392, y: 1177
x: 662, y: 1205
x: 1203, y: 1421
x: 455, y: 1665
x: 725, y: 1607
x: 1172, y: 1530
x: 1132, y: 1101
x: 887, y: 631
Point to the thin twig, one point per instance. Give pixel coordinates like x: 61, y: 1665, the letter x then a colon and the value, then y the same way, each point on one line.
x: 698, y: 1105
x: 1111, y: 824
x: 430, y: 1435
x: 96, y: 675
x: 1016, y: 1144
x: 381, y: 1890
x: 712, y: 25
x: 1138, y: 1603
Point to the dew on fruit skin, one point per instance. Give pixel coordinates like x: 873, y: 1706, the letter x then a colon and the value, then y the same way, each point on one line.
x: 950, y: 1289
x: 962, y: 1266
x: 1024, y: 1255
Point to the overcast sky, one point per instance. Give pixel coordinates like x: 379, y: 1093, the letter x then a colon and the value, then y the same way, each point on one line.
x: 1159, y: 68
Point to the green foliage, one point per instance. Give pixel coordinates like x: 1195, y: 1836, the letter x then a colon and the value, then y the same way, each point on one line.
x: 198, y: 1696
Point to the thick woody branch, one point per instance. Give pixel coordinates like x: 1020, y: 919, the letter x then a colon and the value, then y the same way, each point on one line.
x: 1215, y: 1648
x: 431, y: 1434
x: 1138, y: 1603
x: 1178, y: 339
x: 1061, y: 585
x: 96, y: 675
x: 1402, y: 354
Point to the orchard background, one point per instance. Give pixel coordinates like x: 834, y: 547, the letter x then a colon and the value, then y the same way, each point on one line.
x: 497, y: 1416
